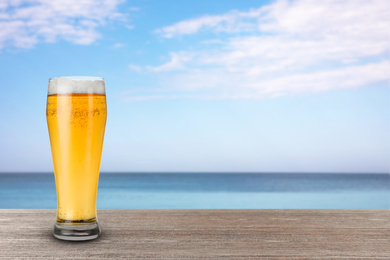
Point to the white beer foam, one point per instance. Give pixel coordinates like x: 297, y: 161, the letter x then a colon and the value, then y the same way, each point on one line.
x: 77, y: 85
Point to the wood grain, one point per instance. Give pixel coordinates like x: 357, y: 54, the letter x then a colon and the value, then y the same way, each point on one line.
x: 207, y: 234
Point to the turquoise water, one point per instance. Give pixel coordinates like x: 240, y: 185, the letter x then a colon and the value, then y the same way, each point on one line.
x: 209, y: 190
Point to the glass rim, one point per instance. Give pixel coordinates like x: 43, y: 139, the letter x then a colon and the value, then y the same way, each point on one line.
x: 77, y: 78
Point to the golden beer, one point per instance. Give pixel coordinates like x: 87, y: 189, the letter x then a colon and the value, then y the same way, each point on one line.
x: 76, y: 123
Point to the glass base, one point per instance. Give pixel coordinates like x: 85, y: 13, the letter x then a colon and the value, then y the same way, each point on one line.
x: 76, y: 232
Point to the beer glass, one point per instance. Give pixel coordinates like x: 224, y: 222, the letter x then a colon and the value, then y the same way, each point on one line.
x: 76, y: 115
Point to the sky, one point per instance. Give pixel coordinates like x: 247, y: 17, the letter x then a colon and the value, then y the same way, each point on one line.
x: 205, y: 86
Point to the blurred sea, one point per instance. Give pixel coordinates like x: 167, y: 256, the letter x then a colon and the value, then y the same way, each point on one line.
x: 209, y: 190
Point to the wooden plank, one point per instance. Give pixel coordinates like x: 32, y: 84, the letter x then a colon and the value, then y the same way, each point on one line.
x: 209, y: 234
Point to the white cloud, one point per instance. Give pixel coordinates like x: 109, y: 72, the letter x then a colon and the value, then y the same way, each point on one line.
x: 233, y: 21
x: 118, y: 45
x: 176, y: 63
x: 23, y: 23
x: 287, y: 47
x: 135, y: 68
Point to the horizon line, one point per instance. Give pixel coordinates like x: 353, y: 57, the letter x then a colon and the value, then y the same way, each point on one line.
x: 200, y: 172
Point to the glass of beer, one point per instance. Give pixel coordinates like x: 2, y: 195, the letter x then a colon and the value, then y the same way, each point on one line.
x: 76, y: 115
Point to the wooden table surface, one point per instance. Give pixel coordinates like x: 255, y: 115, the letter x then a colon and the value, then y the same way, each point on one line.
x: 208, y: 234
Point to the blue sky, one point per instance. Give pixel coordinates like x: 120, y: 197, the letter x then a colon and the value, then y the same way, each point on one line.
x: 254, y: 86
